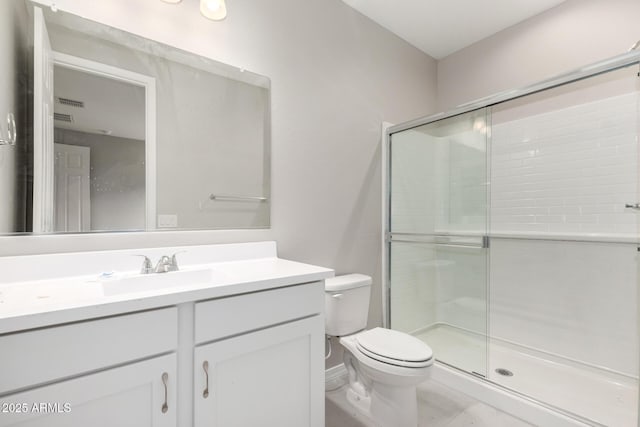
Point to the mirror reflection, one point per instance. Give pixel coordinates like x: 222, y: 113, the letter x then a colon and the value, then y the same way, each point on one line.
x: 126, y: 133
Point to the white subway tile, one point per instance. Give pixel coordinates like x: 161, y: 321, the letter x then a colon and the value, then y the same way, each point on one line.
x: 550, y: 219
x: 581, y: 219
x: 564, y: 228
x: 564, y: 210
x: 551, y: 202
x: 598, y: 209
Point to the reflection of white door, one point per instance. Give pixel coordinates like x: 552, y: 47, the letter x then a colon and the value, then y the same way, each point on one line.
x: 149, y: 84
x: 42, y: 127
x: 73, y: 200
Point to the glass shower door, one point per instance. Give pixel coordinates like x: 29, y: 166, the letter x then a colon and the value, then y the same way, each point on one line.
x: 564, y: 163
x: 437, y: 237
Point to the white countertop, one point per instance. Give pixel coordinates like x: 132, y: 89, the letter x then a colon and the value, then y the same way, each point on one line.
x: 36, y: 303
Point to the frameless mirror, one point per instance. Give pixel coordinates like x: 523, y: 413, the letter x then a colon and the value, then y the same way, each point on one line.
x: 117, y: 133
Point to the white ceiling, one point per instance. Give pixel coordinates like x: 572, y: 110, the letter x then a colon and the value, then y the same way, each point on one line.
x: 111, y: 107
x: 441, y: 27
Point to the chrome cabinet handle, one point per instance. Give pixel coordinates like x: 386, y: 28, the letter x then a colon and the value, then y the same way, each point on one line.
x: 205, y: 366
x: 165, y: 406
x: 635, y: 206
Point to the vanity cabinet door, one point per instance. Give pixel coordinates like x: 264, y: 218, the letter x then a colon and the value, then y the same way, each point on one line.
x: 133, y: 395
x: 271, y: 377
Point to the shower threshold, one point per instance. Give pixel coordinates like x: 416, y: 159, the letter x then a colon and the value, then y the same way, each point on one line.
x: 607, y: 398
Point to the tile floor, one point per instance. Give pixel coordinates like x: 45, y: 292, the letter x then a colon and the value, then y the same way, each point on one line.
x: 438, y: 406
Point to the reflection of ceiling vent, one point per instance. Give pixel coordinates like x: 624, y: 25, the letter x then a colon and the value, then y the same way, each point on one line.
x: 63, y: 117
x: 70, y: 102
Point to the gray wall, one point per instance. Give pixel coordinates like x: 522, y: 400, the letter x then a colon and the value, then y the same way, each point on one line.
x: 117, y: 179
x: 14, y: 79
x: 573, y: 34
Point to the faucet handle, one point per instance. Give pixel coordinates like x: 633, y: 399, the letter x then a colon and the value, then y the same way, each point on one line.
x: 163, y: 265
x: 147, y: 265
x: 173, y: 266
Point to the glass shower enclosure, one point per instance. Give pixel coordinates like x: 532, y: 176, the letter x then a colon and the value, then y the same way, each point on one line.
x: 512, y: 240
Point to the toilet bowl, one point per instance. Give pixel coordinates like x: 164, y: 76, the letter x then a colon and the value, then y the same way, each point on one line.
x: 384, y: 366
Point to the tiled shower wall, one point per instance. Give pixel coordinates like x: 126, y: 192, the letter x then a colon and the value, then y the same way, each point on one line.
x: 573, y: 299
x: 567, y: 171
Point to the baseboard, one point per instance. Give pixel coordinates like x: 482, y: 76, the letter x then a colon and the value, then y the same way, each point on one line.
x: 335, y: 377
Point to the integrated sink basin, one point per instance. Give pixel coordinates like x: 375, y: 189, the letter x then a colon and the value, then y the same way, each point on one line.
x: 156, y: 281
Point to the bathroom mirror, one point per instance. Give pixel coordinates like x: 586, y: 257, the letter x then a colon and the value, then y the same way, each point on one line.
x: 120, y: 133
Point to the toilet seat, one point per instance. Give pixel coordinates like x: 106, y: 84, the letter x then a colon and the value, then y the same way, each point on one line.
x: 394, y: 348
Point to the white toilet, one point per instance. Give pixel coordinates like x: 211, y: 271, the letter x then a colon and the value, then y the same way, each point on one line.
x: 384, y: 366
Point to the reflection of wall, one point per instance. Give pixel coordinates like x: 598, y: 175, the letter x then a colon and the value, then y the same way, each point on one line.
x: 14, y: 80
x: 223, y: 153
x: 210, y: 135
x: 117, y: 179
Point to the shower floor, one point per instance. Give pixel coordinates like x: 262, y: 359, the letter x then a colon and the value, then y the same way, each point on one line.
x: 606, y: 398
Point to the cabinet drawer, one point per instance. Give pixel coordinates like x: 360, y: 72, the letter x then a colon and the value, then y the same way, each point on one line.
x: 43, y: 355
x: 224, y: 317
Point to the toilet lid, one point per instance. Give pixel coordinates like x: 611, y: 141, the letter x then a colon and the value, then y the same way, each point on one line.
x: 394, y: 347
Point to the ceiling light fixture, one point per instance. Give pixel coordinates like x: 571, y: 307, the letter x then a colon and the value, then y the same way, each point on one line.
x: 213, y: 9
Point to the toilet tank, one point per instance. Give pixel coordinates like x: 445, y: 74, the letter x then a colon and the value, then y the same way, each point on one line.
x: 346, y: 301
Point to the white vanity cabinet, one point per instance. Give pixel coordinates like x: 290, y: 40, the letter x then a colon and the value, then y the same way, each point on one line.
x: 116, y: 371
x: 267, y: 369
x: 239, y: 344
x: 137, y: 395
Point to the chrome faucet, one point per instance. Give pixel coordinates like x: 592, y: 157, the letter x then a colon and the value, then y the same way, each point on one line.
x: 164, y: 265
x: 174, y: 261
x: 147, y: 266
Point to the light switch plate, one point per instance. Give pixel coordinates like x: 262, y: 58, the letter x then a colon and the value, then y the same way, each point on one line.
x: 167, y: 221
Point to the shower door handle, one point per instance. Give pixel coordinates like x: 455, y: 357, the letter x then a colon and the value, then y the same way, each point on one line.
x: 635, y: 206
